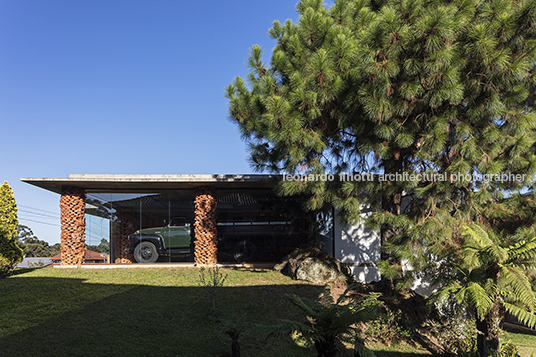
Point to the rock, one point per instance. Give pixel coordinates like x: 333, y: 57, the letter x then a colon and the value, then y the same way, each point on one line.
x: 317, y: 271
x: 314, y: 265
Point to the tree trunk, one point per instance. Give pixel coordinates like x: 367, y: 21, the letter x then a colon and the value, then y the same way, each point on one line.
x: 326, y: 348
x: 488, y: 342
x: 392, y: 203
x: 235, y: 349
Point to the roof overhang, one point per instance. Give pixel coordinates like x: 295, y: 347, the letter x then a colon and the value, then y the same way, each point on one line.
x: 141, y: 183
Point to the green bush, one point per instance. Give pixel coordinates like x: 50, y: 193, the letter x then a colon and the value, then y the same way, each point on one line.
x: 10, y: 253
x: 386, y: 328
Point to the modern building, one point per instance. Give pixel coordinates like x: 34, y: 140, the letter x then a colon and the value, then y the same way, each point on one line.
x: 228, y: 217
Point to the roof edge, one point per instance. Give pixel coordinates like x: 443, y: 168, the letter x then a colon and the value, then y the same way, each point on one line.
x: 109, y: 183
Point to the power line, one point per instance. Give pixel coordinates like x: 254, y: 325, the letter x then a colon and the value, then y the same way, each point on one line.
x: 36, y: 209
x: 31, y: 220
x: 39, y: 214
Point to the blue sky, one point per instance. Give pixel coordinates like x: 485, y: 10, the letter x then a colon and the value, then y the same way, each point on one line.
x: 121, y: 87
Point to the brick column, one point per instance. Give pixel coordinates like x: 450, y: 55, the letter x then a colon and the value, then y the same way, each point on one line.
x: 206, y: 235
x: 73, y: 225
x: 120, y: 239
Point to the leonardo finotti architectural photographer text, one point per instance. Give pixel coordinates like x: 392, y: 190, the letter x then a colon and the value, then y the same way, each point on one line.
x: 503, y: 177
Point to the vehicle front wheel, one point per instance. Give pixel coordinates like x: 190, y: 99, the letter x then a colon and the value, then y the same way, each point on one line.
x: 145, y: 252
x: 245, y: 252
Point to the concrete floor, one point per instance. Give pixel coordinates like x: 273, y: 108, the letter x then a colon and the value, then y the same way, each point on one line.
x: 268, y: 266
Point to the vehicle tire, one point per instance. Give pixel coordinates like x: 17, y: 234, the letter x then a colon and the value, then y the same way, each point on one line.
x: 245, y: 252
x: 145, y: 252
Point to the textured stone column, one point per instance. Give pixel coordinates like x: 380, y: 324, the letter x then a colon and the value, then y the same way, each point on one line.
x: 73, y: 225
x: 120, y: 239
x: 206, y: 235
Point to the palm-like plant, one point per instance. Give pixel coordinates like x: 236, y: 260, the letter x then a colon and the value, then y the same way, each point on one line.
x: 491, y: 275
x: 329, y: 320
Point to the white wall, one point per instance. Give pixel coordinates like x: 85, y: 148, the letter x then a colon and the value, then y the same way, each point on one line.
x: 358, y: 247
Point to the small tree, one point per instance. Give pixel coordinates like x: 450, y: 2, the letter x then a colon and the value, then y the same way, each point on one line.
x: 330, y: 321
x: 211, y: 281
x: 10, y: 253
x: 491, y: 275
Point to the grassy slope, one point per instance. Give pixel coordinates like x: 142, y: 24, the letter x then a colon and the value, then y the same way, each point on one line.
x: 153, y: 312
x: 146, y: 312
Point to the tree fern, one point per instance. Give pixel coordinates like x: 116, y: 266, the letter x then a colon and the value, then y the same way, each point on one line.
x: 329, y: 321
x: 492, y: 275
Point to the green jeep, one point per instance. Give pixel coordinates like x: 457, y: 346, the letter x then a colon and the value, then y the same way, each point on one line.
x: 177, y: 239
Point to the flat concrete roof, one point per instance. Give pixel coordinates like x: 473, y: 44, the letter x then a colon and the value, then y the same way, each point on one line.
x: 128, y: 183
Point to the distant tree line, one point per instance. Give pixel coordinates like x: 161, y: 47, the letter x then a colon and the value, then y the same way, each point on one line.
x: 33, y: 247
x: 103, y: 247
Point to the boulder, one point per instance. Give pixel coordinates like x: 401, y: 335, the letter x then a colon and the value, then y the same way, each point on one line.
x: 314, y: 265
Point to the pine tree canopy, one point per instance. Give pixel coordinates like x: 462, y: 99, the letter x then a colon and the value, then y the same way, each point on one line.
x: 440, y: 89
x: 433, y: 87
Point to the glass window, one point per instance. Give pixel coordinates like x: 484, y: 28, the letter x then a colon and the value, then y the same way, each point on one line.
x: 252, y: 225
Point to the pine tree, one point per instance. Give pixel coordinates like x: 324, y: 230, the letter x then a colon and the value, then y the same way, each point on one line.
x: 436, y: 88
x: 10, y: 253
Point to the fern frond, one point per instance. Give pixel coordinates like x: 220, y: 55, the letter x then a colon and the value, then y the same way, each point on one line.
x: 300, y: 302
x: 325, y: 297
x: 479, y: 299
x: 475, y: 235
x: 494, y: 253
x: 284, y: 328
x: 345, y: 293
x: 518, y: 285
x: 524, y: 250
x: 489, y: 286
x: 444, y: 294
x: 526, y: 317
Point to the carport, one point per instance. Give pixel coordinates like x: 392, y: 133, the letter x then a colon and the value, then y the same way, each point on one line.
x: 221, y: 209
x: 126, y: 203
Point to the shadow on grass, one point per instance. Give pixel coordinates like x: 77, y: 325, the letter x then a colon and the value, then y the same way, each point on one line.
x: 19, y: 271
x: 48, y: 316
x: 519, y: 329
x: 399, y: 354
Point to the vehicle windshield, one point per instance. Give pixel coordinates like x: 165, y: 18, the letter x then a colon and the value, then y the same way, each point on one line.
x: 177, y: 222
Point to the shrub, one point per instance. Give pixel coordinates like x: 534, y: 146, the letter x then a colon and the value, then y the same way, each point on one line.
x: 211, y: 280
x: 386, y: 328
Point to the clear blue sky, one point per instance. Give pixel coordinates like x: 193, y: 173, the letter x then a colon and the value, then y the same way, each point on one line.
x: 121, y: 87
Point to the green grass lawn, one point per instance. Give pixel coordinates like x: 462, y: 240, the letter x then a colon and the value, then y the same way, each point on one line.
x: 150, y: 312
x: 524, y: 340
